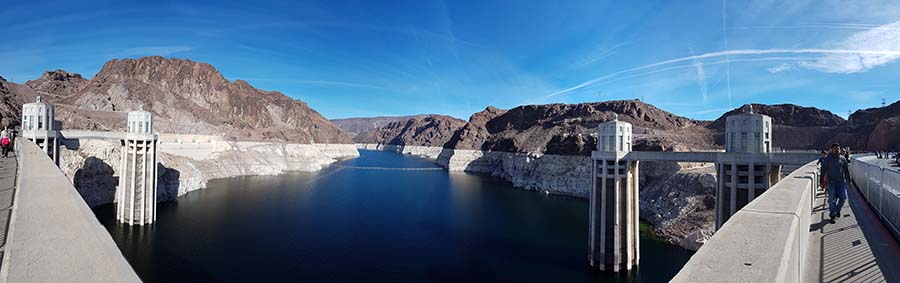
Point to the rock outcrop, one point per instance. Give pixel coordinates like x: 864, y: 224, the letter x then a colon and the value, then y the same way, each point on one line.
x: 429, y: 130
x: 185, y: 96
x: 93, y: 165
x: 786, y: 114
x: 359, y: 126
x: 57, y: 84
x: 566, y: 129
x: 874, y: 129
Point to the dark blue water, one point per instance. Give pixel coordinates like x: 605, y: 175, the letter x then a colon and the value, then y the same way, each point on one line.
x: 357, y: 225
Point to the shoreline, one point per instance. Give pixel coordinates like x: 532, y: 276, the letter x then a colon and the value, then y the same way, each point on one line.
x: 92, y: 167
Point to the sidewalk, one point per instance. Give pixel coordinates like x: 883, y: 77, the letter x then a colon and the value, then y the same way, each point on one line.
x: 855, y: 249
x: 7, y: 190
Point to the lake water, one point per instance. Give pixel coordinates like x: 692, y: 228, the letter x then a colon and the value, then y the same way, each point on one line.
x: 352, y: 224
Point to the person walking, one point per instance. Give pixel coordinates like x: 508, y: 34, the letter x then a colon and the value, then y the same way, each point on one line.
x: 5, y: 142
x: 823, y: 183
x: 837, y: 176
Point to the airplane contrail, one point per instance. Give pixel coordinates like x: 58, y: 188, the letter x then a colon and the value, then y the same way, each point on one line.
x: 736, y: 52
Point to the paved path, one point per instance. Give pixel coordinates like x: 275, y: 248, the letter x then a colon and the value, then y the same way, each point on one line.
x: 54, y: 236
x: 7, y: 191
x: 855, y: 249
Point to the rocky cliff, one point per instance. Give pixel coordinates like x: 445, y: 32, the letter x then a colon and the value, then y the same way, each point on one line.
x: 93, y: 165
x: 794, y: 127
x: 185, y: 96
x: 12, y: 96
x: 57, y: 84
x: 194, y: 97
x: 567, y: 129
x: 358, y: 126
x: 875, y: 128
x: 429, y: 130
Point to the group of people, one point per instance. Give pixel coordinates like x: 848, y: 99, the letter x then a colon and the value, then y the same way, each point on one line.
x: 6, y: 141
x: 835, y: 177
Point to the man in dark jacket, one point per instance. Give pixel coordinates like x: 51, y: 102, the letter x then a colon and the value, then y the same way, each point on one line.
x: 834, y: 171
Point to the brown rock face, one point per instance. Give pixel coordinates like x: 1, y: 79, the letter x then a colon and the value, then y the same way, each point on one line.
x: 886, y: 135
x: 788, y: 115
x: 567, y: 129
x: 475, y: 132
x: 430, y: 130
x: 12, y: 96
x: 359, y: 126
x: 187, y: 97
x: 57, y: 84
x: 795, y: 127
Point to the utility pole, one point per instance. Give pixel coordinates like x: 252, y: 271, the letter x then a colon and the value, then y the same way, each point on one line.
x: 883, y: 102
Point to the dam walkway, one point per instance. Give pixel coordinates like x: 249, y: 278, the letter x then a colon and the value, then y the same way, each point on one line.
x: 49, y: 233
x: 8, y: 169
x: 784, y: 236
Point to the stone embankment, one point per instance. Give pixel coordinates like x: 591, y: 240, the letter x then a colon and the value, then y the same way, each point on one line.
x: 676, y: 198
x: 92, y: 165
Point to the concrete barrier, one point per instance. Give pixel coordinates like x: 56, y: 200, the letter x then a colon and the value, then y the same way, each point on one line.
x: 54, y: 236
x: 766, y: 241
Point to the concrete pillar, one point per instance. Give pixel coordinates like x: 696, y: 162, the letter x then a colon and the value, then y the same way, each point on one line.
x: 133, y: 149
x: 615, y: 216
x: 729, y: 200
x: 733, y: 190
x: 751, y: 182
x: 720, y: 197
x: 139, y: 162
x: 143, y: 182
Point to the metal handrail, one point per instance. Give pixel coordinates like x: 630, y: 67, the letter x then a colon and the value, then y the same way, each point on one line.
x: 873, y: 181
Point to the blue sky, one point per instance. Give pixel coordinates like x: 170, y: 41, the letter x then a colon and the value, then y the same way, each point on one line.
x: 369, y: 58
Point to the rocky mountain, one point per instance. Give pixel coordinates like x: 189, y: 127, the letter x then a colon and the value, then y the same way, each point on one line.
x: 185, y: 96
x: 787, y: 115
x: 569, y: 129
x: 474, y: 133
x: 794, y: 127
x: 873, y: 129
x: 429, y: 130
x: 57, y: 84
x: 12, y: 96
x: 356, y: 126
x: 797, y: 127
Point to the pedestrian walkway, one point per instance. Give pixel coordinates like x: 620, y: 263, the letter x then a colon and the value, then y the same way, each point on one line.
x: 7, y: 191
x: 857, y: 248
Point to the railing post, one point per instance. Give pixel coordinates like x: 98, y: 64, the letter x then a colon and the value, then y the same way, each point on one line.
x: 881, y: 196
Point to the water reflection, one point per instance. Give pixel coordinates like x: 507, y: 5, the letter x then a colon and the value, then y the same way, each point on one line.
x: 344, y: 224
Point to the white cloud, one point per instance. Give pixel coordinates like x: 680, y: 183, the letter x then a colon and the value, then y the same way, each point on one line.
x: 780, y: 68
x: 886, y: 37
x: 869, y: 52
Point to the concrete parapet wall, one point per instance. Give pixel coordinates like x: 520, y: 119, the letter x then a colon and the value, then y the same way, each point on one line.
x: 54, y: 236
x: 188, y: 138
x: 766, y: 241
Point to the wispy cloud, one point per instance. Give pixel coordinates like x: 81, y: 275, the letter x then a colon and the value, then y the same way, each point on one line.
x: 725, y: 38
x: 886, y: 37
x: 852, y: 26
x: 780, y: 68
x: 318, y: 82
x: 701, y: 77
x: 709, y: 111
x: 153, y: 51
x: 739, y: 52
x: 603, y: 53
